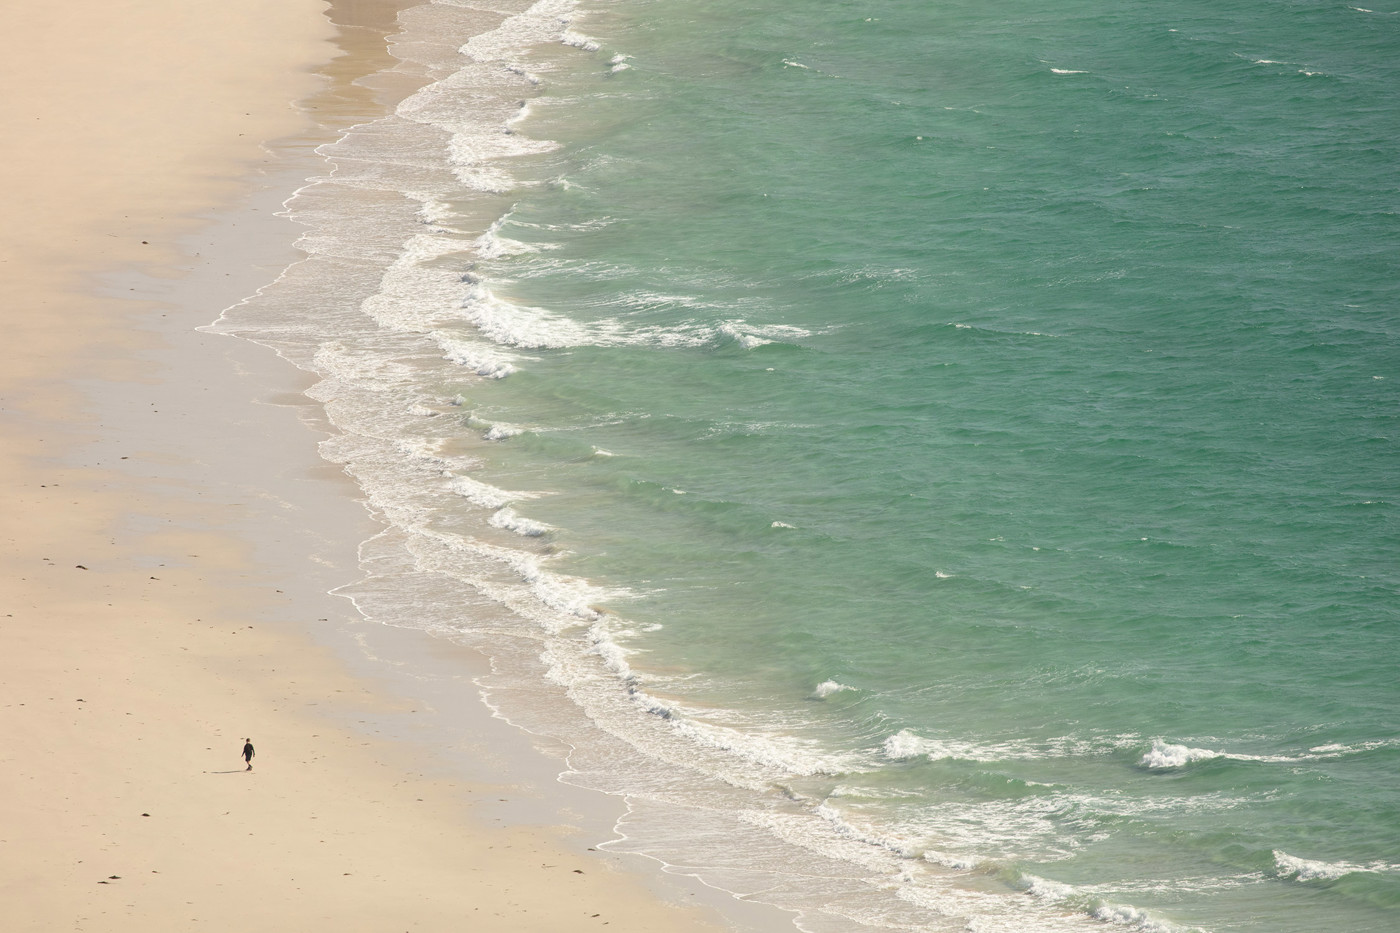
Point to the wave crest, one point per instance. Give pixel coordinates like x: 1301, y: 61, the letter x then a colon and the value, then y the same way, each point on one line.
x: 1164, y: 756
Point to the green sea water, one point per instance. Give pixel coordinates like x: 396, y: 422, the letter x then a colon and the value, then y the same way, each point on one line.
x: 953, y: 442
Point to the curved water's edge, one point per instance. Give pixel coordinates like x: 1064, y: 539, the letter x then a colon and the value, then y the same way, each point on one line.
x: 369, y: 316
x: 394, y: 313
x: 381, y: 311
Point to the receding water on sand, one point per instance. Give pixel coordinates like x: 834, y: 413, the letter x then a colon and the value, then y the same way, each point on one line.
x: 938, y: 465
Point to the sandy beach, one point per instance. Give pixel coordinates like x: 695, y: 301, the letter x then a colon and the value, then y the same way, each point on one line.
x: 169, y: 536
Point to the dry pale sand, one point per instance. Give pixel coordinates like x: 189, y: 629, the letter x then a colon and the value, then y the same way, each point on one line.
x: 147, y: 624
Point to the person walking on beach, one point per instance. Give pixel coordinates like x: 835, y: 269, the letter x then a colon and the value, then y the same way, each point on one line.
x: 248, y: 753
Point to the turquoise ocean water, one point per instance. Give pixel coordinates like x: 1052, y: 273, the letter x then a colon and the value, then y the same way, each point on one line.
x: 937, y: 460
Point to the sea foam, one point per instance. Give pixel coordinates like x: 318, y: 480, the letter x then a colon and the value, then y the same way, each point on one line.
x: 1164, y: 755
x: 1301, y: 869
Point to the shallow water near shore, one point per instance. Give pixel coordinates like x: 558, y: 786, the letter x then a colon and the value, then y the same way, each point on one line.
x: 938, y: 464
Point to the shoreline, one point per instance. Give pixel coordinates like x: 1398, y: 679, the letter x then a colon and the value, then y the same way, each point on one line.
x: 165, y: 493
